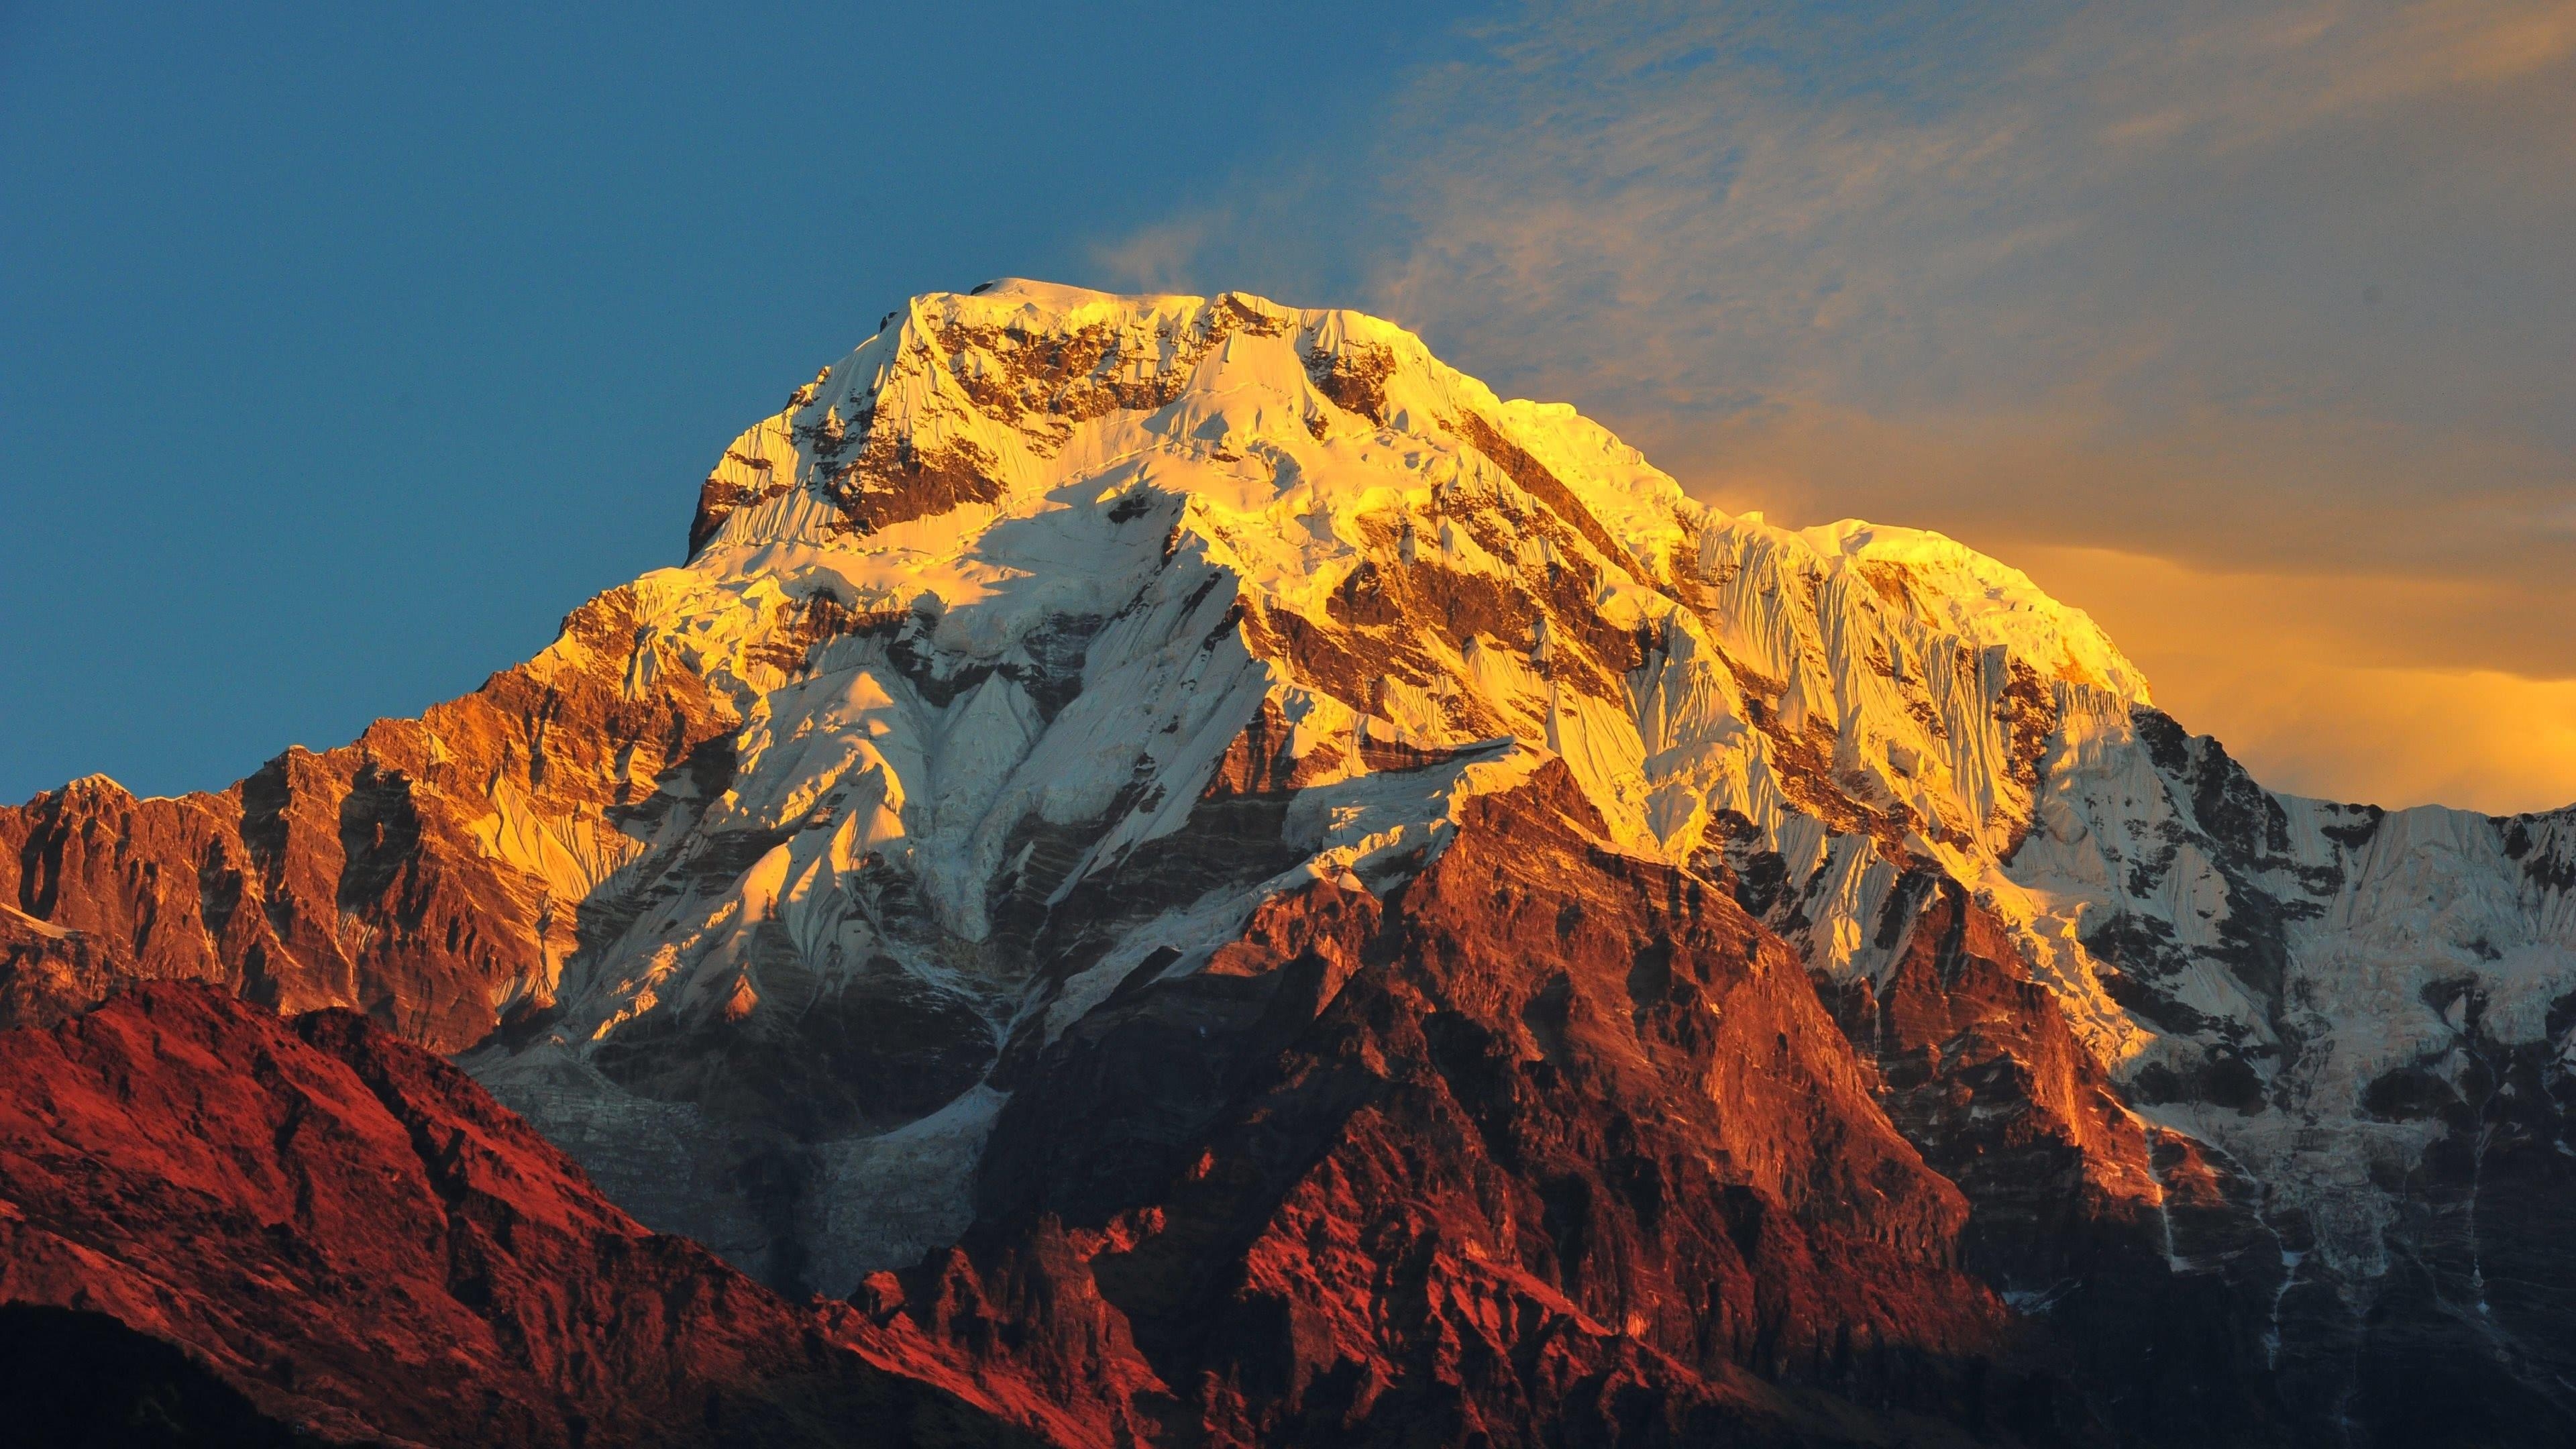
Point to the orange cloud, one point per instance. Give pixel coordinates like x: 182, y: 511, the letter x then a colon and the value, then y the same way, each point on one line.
x: 2273, y: 618
x: 2294, y: 674
x: 2270, y: 617
x: 2375, y: 549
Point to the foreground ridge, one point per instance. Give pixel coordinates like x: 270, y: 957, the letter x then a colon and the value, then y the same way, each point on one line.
x: 1190, y: 853
x: 355, y: 1238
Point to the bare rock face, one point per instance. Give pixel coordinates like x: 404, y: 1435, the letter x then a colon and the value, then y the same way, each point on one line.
x: 1210, y: 871
x: 351, y: 1236
x: 1551, y: 1143
x: 432, y: 875
x: 2145, y: 1260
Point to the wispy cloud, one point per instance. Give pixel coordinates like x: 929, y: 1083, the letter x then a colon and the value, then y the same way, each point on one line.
x: 2242, y: 76
x: 2252, y: 287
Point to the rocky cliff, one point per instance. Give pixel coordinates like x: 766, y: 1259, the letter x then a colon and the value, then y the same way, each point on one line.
x: 350, y: 1241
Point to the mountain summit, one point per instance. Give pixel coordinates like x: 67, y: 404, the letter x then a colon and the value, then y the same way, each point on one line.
x: 1194, y: 855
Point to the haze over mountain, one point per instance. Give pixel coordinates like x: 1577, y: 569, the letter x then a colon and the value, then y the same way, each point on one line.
x: 1223, y: 883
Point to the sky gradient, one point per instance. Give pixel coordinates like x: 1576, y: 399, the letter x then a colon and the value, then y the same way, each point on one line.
x: 341, y: 354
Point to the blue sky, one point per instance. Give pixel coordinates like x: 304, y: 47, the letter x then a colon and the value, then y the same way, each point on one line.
x: 343, y: 350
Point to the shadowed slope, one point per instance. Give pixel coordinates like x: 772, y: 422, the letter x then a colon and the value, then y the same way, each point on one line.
x: 352, y: 1235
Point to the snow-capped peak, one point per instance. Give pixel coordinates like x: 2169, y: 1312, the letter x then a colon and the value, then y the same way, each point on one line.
x: 1039, y: 592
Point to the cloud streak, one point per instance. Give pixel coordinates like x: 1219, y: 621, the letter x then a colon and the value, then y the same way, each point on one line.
x: 2258, y: 290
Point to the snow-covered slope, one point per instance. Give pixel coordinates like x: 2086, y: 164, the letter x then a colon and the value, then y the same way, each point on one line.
x: 1038, y: 587
x: 2341, y: 1000
x: 1044, y: 560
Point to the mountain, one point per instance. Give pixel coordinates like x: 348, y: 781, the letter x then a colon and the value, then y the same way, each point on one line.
x: 1190, y: 854
x: 352, y: 1241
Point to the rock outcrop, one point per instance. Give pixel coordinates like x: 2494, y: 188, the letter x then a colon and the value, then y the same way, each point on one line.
x: 360, y: 1245
x: 433, y: 874
x: 1551, y: 1143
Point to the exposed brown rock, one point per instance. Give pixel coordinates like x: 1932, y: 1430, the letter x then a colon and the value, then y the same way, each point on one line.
x: 895, y: 480
x: 349, y: 1233
x: 2143, y: 1255
x: 1556, y: 1145
x: 1543, y: 485
x: 719, y: 498
x: 354, y: 877
x: 1354, y: 377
